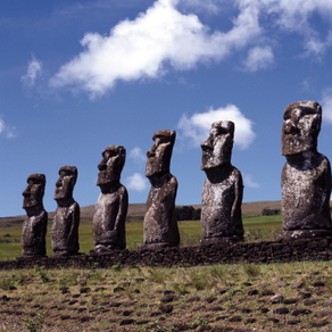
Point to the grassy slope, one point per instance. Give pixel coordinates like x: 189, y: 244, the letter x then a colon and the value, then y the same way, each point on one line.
x: 239, y: 297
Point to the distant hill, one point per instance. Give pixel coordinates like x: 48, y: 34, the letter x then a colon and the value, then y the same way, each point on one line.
x: 138, y: 210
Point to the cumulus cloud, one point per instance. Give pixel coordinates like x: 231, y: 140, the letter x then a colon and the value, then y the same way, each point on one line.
x: 7, y: 130
x: 136, y: 182
x: 159, y: 39
x: 168, y: 37
x: 259, y: 58
x: 137, y: 155
x: 34, y: 70
x: 197, y: 127
x: 250, y: 182
x: 327, y: 104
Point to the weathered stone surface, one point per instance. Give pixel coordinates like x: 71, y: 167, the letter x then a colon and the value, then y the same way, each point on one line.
x: 35, y: 224
x: 67, y: 215
x: 160, y: 224
x: 221, y: 215
x: 112, y: 206
x: 306, y: 176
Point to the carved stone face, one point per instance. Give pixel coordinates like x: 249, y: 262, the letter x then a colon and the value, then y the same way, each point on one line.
x: 217, y: 149
x: 301, y: 126
x: 110, y: 167
x: 65, y: 185
x: 34, y: 192
x: 159, y: 155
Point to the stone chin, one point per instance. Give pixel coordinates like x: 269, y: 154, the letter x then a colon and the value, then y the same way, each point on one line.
x: 209, y: 162
x: 29, y: 204
x: 155, y: 168
x: 293, y: 146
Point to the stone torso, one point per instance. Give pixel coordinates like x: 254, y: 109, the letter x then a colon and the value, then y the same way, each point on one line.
x: 306, y: 196
x: 33, y: 235
x: 221, y: 206
x: 160, y: 225
x: 65, y: 229
x: 109, y: 219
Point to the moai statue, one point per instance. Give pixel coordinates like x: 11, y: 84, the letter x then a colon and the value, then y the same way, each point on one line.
x: 306, y: 176
x: 67, y: 215
x: 112, y: 206
x: 160, y: 224
x: 221, y: 215
x: 35, y: 224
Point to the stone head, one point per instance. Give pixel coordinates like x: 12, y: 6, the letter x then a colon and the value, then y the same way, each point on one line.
x: 34, y: 192
x: 217, y: 148
x: 65, y: 185
x: 110, y: 167
x: 159, y: 155
x: 301, y: 126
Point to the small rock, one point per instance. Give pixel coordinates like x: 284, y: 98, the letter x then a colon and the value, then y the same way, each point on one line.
x: 64, y: 289
x: 127, y: 312
x: 324, y: 313
x: 277, y: 299
x: 118, y: 289
x: 301, y: 312
x: 235, y: 319
x: 166, y: 308
x: 293, y: 322
x: 210, y: 299
x: 252, y: 292
x: 84, y: 319
x: 318, y: 284
x: 167, y: 298
x: 85, y: 290
x: 267, y: 292
x: 5, y: 298
x: 320, y: 323
x: 309, y: 302
x: 291, y: 301
x: 305, y: 294
x: 327, y: 303
x: 127, y: 321
x: 299, y: 285
x: 281, y: 311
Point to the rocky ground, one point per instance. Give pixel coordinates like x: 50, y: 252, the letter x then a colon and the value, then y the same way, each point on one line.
x: 240, y: 297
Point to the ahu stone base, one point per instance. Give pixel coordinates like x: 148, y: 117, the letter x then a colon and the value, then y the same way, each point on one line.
x: 240, y: 252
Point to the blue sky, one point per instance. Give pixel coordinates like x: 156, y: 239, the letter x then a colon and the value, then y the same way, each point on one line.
x: 77, y: 76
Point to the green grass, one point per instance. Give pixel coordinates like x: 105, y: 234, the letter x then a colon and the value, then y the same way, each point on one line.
x: 256, y: 228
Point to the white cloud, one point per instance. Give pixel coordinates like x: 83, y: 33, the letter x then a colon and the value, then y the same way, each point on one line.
x: 327, y: 104
x: 165, y: 38
x: 6, y: 130
x: 197, y: 127
x: 259, y: 58
x: 137, y: 155
x: 34, y: 71
x: 136, y: 182
x: 297, y: 16
x: 250, y: 182
x: 158, y: 39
